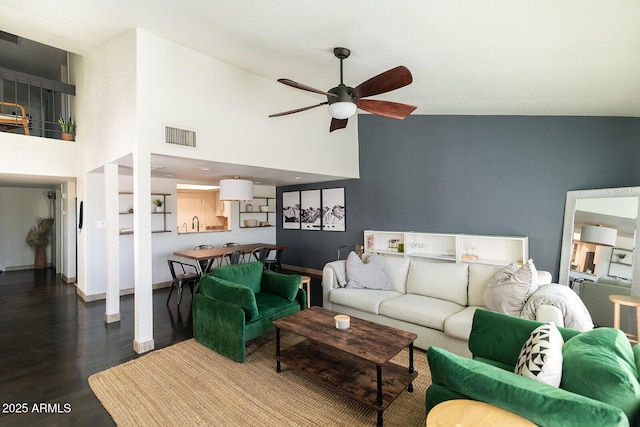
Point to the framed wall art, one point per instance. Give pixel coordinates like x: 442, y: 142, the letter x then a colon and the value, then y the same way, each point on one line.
x: 310, y: 212
x: 333, y: 209
x: 291, y: 210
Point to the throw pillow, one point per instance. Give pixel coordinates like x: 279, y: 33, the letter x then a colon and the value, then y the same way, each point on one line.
x: 541, y: 356
x: 366, y: 274
x: 511, y: 287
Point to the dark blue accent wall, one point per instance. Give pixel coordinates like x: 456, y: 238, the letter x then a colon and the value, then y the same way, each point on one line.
x: 497, y: 175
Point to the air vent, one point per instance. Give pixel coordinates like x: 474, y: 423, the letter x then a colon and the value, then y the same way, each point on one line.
x: 11, y: 38
x: 176, y: 136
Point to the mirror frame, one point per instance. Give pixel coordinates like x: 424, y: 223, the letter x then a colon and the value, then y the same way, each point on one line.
x: 567, y: 233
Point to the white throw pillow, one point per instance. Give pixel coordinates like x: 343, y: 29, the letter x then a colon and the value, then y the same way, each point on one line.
x: 511, y: 287
x: 541, y: 356
x: 366, y: 274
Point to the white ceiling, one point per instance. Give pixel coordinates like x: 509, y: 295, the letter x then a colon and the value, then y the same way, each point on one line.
x: 503, y: 57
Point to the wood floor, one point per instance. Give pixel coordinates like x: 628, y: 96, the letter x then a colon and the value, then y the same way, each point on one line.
x: 51, y: 342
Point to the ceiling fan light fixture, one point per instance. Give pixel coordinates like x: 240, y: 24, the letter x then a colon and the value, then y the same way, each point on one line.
x: 342, y: 110
x: 236, y: 189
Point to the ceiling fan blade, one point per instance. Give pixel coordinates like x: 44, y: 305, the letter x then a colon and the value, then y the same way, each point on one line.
x: 305, y: 87
x: 392, y: 110
x: 392, y: 79
x: 297, y: 110
x: 338, y: 124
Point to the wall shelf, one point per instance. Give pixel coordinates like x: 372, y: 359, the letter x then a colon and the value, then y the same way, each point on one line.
x: 457, y: 248
x: 126, y: 200
x: 255, y: 213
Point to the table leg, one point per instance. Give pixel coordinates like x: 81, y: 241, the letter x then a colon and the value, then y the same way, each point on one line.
x: 410, y: 388
x: 379, y: 378
x: 616, y: 315
x: 278, y: 350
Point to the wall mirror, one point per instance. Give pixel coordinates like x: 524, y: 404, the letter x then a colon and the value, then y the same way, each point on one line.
x: 611, y: 208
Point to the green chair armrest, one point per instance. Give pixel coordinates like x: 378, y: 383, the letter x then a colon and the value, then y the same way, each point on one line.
x: 219, y: 326
x: 540, y: 403
x: 283, y: 285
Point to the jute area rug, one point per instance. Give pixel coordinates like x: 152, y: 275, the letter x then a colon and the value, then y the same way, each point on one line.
x: 188, y: 384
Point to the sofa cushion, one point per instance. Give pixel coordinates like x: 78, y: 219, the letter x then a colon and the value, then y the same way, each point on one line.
x: 361, y: 299
x: 249, y: 274
x: 541, y: 355
x: 230, y: 292
x: 538, y: 402
x: 397, y: 269
x: 458, y: 325
x: 447, y: 281
x: 510, y: 288
x: 420, y: 310
x: 284, y: 285
x: 600, y: 364
x: 367, y: 274
x: 479, y: 277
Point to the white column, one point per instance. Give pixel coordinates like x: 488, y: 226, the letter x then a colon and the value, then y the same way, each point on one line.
x: 143, y: 299
x: 112, y: 236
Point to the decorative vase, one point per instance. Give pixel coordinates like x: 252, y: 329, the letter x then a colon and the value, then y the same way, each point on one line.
x: 159, y: 209
x: 40, y: 260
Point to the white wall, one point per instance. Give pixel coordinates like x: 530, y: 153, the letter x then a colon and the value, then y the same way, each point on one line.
x: 19, y: 209
x: 229, y: 109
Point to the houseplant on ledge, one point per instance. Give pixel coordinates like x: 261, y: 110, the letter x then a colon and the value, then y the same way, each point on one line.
x: 38, y: 238
x: 68, y: 128
x: 158, y: 203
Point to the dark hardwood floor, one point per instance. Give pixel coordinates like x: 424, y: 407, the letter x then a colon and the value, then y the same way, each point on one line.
x: 51, y: 342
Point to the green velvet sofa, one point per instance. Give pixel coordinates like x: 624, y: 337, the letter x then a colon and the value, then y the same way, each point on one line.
x: 599, y: 385
x: 237, y: 303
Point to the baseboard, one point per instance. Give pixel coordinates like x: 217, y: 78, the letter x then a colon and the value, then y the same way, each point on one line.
x: 123, y: 292
x: 68, y: 280
x: 302, y: 269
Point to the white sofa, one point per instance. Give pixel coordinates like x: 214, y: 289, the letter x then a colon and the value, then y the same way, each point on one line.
x: 434, y: 300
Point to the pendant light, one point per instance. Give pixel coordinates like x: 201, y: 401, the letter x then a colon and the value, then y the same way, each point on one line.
x: 599, y: 235
x: 236, y: 189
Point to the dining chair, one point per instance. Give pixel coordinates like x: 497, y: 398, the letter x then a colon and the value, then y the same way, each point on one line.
x: 231, y: 257
x: 205, y: 264
x: 181, y: 279
x: 274, y: 264
x: 260, y: 254
x: 225, y: 258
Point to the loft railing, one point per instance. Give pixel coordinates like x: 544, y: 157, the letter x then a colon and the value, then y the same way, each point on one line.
x: 43, y: 101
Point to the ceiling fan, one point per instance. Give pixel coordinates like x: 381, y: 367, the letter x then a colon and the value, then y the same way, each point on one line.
x: 344, y: 100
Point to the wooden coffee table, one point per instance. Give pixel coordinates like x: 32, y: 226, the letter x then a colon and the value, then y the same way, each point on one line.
x: 355, y: 361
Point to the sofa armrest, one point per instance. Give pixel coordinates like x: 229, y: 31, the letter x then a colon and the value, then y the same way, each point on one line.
x: 540, y: 403
x: 282, y: 285
x: 334, y: 275
x: 219, y: 326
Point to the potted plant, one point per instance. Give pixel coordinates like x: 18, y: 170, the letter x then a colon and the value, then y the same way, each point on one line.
x: 38, y: 238
x: 158, y: 203
x: 68, y: 128
x: 621, y: 256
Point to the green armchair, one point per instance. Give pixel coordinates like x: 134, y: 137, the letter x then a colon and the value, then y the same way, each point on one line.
x: 237, y: 303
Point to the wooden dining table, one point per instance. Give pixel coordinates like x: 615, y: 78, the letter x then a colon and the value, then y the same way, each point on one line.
x: 214, y: 253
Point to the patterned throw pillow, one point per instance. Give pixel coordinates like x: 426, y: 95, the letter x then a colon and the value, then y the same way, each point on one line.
x: 541, y: 356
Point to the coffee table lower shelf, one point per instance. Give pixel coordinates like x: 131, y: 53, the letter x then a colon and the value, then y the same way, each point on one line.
x: 354, y: 377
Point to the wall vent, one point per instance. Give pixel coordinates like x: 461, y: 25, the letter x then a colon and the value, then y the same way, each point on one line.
x: 176, y: 136
x: 11, y: 38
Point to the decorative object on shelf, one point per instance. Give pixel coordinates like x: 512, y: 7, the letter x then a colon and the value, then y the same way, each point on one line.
x: 159, y: 203
x: 250, y: 222
x: 248, y: 207
x: 264, y: 208
x: 621, y: 256
x: 393, y: 244
x: 68, y: 128
x: 38, y: 238
x: 236, y: 189
x: 291, y: 210
x: 334, y: 215
x: 603, y: 236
